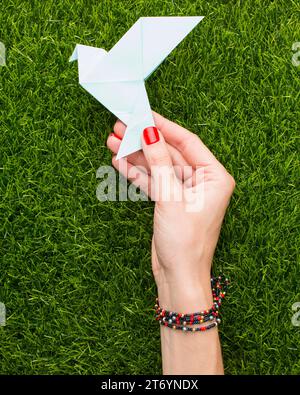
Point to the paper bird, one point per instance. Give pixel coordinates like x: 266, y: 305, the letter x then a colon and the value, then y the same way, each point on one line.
x: 116, y: 78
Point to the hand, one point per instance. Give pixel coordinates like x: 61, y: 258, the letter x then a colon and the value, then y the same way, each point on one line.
x: 184, y: 239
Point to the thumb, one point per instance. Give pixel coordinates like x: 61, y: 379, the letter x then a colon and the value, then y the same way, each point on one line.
x: 160, y: 163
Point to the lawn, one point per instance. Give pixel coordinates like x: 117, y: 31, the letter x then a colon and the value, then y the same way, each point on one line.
x: 75, y: 271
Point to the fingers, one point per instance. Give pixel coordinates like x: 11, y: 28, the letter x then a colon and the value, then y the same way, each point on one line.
x: 177, y: 158
x: 193, y: 150
x: 160, y: 163
x: 155, y: 148
x: 119, y: 128
x: 189, y: 144
x: 138, y: 158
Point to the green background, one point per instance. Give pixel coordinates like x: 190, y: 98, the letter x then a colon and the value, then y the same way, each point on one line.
x: 75, y: 272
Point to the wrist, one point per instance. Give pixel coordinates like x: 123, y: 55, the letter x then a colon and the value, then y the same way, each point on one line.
x: 186, y: 296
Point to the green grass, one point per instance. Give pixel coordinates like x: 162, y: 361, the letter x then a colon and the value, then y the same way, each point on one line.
x: 75, y: 271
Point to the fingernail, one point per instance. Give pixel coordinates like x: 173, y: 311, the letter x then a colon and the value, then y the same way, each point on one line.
x: 151, y: 135
x: 115, y: 135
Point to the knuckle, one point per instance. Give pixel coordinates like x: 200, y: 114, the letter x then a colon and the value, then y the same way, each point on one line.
x: 228, y: 181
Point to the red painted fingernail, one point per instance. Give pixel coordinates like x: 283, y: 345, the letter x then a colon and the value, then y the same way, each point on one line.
x: 115, y: 135
x: 151, y: 135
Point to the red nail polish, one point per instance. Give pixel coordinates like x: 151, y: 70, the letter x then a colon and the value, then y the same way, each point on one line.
x: 151, y: 135
x: 115, y: 135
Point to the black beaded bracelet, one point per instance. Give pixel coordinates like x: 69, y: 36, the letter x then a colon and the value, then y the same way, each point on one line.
x: 187, y: 329
x: 181, y: 321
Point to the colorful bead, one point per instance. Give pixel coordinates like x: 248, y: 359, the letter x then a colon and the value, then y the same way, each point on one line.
x: 183, y: 320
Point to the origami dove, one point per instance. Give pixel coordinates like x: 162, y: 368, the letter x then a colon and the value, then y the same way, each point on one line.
x: 116, y: 78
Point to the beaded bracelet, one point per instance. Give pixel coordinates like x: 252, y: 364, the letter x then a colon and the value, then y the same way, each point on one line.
x: 182, y: 321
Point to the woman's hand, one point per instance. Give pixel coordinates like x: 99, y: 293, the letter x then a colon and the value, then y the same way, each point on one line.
x: 192, y: 190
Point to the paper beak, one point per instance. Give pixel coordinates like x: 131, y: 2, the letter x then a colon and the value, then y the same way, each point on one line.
x: 74, y: 55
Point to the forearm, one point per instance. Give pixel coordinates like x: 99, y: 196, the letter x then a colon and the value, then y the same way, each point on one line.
x: 189, y: 352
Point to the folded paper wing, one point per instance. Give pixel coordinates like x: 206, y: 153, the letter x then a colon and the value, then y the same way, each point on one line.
x: 116, y: 78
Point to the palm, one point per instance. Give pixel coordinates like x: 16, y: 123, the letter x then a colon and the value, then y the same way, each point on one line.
x: 169, y: 238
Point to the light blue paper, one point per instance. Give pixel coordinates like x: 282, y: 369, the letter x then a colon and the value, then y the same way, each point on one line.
x: 116, y: 78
